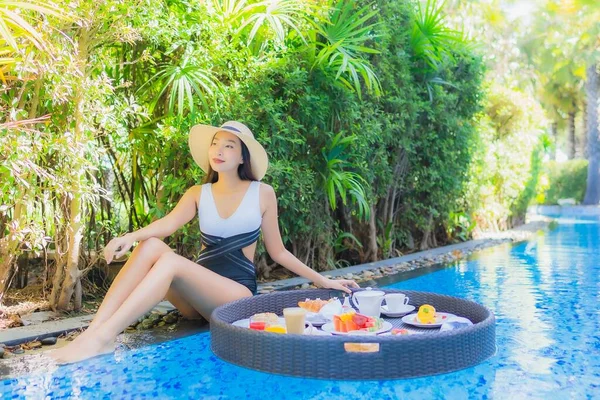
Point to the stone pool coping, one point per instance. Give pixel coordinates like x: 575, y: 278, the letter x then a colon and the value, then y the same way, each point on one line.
x: 351, y: 272
x: 362, y: 272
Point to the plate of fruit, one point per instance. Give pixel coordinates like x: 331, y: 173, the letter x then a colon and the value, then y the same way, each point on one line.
x: 350, y: 322
x: 427, y: 317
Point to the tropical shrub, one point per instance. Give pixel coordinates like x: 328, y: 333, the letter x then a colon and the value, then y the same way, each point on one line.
x: 507, y: 165
x: 562, y: 180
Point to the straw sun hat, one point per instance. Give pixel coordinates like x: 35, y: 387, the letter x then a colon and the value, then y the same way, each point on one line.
x: 201, y: 137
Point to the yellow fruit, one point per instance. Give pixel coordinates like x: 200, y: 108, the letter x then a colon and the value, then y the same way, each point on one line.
x: 275, y: 329
x: 426, y: 314
x: 347, y: 316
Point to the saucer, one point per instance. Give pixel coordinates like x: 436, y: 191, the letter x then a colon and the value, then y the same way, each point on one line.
x: 407, y: 309
x: 440, y: 318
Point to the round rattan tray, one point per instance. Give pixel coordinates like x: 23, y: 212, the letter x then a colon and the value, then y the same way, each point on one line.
x: 328, y: 357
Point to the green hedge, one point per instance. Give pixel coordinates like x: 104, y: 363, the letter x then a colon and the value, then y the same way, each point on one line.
x: 563, y: 180
x: 423, y: 118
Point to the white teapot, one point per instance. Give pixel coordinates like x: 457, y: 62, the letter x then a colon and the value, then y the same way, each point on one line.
x: 368, y: 301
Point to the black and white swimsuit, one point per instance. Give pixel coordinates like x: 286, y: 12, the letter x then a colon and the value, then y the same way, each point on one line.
x: 224, y: 238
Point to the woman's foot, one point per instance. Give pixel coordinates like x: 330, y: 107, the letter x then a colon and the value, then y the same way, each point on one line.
x: 80, y: 338
x: 92, y: 346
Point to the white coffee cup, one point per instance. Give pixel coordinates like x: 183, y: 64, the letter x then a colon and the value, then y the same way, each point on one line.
x: 396, y: 302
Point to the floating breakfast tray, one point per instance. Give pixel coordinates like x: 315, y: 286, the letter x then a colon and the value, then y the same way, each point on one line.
x: 353, y: 357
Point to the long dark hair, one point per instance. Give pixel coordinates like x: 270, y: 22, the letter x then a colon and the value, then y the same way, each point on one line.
x: 244, y: 170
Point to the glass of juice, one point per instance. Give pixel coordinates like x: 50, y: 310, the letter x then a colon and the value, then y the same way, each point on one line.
x: 294, y: 319
x: 257, y: 324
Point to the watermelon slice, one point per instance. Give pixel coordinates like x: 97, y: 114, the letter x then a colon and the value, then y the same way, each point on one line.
x: 360, y: 320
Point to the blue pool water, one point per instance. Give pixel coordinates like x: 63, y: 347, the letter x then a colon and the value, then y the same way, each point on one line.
x: 545, y: 295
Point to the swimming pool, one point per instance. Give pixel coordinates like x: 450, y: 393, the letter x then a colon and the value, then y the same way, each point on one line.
x: 545, y: 294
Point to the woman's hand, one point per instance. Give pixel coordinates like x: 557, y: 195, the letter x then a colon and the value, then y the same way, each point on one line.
x: 120, y: 245
x: 339, y: 284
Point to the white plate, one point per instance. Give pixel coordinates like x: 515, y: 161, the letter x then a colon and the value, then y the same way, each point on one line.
x: 440, y: 318
x: 245, y: 323
x: 328, y: 327
x: 406, y: 310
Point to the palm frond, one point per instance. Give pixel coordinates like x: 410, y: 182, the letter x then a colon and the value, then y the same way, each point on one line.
x: 14, y: 24
x: 431, y: 40
x: 181, y: 83
x: 228, y: 11
x: 345, y: 34
x: 338, y: 181
x: 279, y: 16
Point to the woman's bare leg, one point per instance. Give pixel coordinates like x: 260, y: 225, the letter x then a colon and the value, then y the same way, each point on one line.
x: 131, y: 274
x: 200, y: 287
x: 181, y: 304
x: 143, y: 257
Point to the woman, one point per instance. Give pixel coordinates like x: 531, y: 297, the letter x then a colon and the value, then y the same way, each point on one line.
x: 233, y: 207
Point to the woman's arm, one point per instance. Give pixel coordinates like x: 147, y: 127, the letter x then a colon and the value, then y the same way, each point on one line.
x: 183, y: 213
x: 278, y: 252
